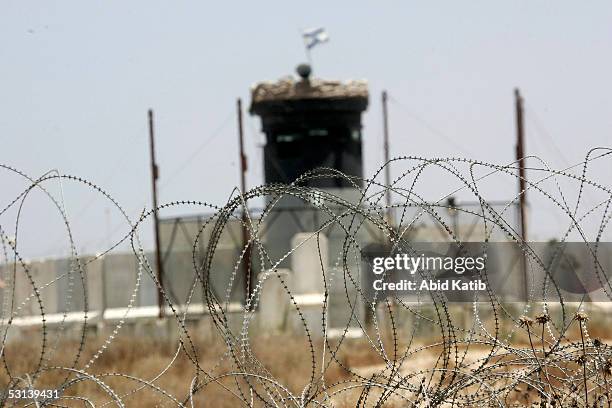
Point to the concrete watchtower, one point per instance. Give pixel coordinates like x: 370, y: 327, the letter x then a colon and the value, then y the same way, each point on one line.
x: 310, y: 123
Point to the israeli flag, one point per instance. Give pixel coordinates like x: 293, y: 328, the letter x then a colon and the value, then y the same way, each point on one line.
x: 314, y: 36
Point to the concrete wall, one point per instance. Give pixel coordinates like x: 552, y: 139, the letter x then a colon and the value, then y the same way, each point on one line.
x: 112, y: 279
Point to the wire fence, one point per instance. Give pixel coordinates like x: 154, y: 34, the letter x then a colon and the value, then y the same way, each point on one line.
x: 427, y: 352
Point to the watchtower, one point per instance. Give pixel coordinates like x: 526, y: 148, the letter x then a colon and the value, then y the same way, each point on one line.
x: 311, y: 123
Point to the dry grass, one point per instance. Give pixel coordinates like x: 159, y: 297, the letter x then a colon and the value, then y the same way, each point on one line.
x: 286, y: 358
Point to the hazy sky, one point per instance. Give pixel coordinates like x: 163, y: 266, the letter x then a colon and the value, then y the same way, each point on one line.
x: 78, y: 77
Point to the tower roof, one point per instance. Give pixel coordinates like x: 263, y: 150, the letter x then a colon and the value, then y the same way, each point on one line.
x: 291, y: 89
x: 308, y: 94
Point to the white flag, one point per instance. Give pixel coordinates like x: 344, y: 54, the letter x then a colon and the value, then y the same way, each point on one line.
x: 314, y: 36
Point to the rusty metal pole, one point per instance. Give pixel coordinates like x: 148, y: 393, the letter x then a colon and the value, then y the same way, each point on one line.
x: 520, y: 159
x: 386, y: 152
x: 246, y: 264
x: 520, y: 155
x: 389, y: 210
x: 154, y: 177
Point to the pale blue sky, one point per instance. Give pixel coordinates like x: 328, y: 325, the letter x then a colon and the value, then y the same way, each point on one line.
x: 78, y: 77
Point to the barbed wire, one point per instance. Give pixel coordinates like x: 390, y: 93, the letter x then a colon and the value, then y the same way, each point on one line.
x: 541, y: 351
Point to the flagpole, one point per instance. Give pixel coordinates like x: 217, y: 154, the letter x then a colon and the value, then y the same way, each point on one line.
x: 306, y: 49
x: 308, y: 56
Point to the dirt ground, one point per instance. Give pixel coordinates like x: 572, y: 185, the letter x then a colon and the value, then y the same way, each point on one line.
x: 170, y: 370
